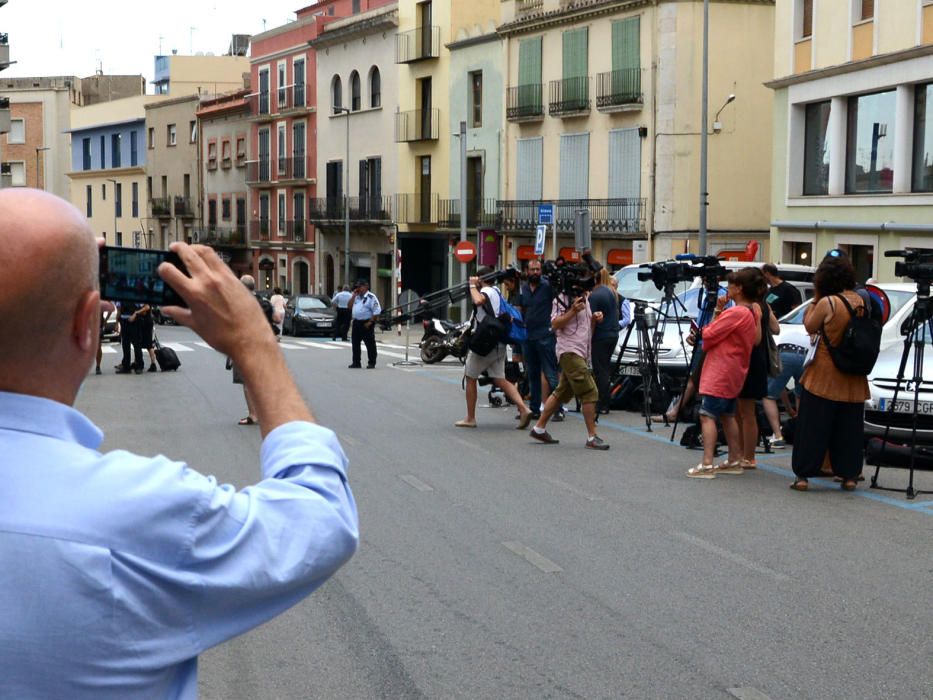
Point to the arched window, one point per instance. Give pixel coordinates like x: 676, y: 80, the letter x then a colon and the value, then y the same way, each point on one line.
x: 375, y: 88
x: 355, y: 91
x: 336, y: 94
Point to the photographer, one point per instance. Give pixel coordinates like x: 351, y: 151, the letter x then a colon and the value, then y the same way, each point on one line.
x: 539, y: 351
x: 486, y: 300
x: 573, y: 324
x: 120, y: 569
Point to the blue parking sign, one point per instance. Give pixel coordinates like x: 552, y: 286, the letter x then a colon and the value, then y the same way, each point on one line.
x: 545, y: 213
x: 540, y: 238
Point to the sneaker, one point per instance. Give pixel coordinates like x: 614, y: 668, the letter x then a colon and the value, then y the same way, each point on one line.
x: 544, y: 437
x: 153, y: 368
x: 729, y: 467
x: 97, y: 371
x: 354, y: 366
x: 702, y: 471
x: 777, y: 443
x: 596, y: 443
x: 559, y: 416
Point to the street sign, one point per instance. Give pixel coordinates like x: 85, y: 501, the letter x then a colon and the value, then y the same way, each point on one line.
x: 545, y: 213
x: 540, y: 239
x: 465, y: 251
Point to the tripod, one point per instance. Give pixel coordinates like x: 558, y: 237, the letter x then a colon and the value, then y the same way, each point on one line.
x: 920, y: 325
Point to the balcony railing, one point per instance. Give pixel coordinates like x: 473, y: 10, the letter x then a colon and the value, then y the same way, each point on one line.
x: 259, y: 171
x: 330, y: 209
x: 294, y: 168
x: 417, y: 44
x: 569, y: 96
x: 420, y: 208
x: 529, y: 5
x: 184, y: 207
x: 607, y: 216
x: 224, y: 235
x: 480, y: 213
x: 298, y: 231
x: 525, y: 103
x: 279, y: 100
x: 417, y: 125
x: 161, y: 206
x: 619, y: 89
x: 259, y: 229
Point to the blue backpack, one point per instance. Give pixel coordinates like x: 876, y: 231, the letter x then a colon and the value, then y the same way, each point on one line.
x: 517, y: 331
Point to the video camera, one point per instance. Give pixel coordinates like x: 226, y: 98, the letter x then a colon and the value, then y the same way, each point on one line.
x: 708, y: 268
x: 573, y: 279
x: 684, y: 269
x: 917, y: 263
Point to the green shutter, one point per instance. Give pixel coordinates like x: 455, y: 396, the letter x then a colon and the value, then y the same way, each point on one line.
x: 576, y: 80
x: 626, y: 59
x: 529, y: 75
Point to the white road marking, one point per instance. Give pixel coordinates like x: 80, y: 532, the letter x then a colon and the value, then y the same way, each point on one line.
x: 731, y: 556
x: 415, y: 482
x: 747, y: 694
x: 290, y: 346
x: 322, y: 346
x: 202, y: 344
x: 532, y: 557
x: 177, y: 347
x: 573, y: 489
x: 107, y: 350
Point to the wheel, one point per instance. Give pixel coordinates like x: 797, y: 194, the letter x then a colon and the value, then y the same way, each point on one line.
x: 494, y: 400
x: 432, y: 350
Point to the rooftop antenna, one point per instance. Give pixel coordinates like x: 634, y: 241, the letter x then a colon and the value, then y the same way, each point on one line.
x: 264, y: 25
x: 191, y: 40
x: 160, y: 44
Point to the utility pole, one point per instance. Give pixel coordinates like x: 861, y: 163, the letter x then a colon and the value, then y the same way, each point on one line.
x: 463, y: 212
x: 704, y: 118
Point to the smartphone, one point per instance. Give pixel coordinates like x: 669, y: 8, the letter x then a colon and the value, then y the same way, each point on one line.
x: 132, y: 275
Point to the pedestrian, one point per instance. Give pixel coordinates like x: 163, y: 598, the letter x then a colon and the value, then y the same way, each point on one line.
x: 485, y: 300
x: 365, y: 308
x: 252, y: 416
x: 831, y: 415
x: 146, y: 329
x: 539, y: 351
x: 573, y: 324
x: 727, y: 346
x: 782, y: 297
x: 119, y: 570
x: 129, y: 338
x: 792, y: 357
x: 341, y: 303
x: 604, y: 299
x: 278, y: 309
x: 104, y: 317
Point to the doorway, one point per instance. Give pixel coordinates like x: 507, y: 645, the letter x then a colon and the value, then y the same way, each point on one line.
x: 426, y: 125
x: 300, y: 278
x: 329, y: 287
x: 424, y: 214
x: 474, y: 201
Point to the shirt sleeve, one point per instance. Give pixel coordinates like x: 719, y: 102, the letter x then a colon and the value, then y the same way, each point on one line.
x: 377, y: 307
x: 625, y: 314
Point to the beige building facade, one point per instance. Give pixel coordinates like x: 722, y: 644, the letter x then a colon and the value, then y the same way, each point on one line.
x: 853, y: 115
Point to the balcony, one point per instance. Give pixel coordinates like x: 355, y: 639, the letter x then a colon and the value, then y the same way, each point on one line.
x: 417, y: 125
x: 259, y: 229
x: 258, y: 171
x: 260, y: 105
x: 607, y: 216
x: 184, y: 207
x: 481, y: 213
x: 569, y: 97
x: 529, y: 6
x: 524, y: 103
x: 294, y: 168
x: 420, y: 208
x: 293, y: 97
x: 377, y: 210
x: 298, y: 231
x: 5, y: 119
x: 619, y: 90
x: 417, y: 44
x: 161, y: 207
x: 232, y: 236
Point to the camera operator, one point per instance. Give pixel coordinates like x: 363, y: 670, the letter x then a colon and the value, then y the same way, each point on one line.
x: 573, y: 324
x: 605, y: 300
x: 539, y: 351
x: 120, y: 569
x: 493, y: 363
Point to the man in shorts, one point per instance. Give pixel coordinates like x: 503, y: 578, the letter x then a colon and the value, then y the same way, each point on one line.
x: 573, y: 323
x: 493, y: 363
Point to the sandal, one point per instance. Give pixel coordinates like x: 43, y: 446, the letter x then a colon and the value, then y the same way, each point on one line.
x: 748, y: 464
x: 702, y: 471
x: 848, y: 485
x: 246, y: 421
x: 800, y: 485
x: 465, y: 424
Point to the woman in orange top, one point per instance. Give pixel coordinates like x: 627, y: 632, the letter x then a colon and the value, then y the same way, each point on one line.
x: 832, y: 405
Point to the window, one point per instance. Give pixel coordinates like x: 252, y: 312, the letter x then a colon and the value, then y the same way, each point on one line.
x: 866, y: 9
x: 870, y: 143
x: 134, y: 189
x: 17, y: 173
x: 193, y: 130
x: 804, y: 19
x: 89, y: 201
x: 264, y: 155
x: 298, y: 150
x: 375, y: 88
x: 119, y: 236
x: 355, y: 7
x: 103, y: 151
x: 923, y: 139
x: 118, y: 199
x: 336, y: 94
x: 164, y: 186
x: 86, y: 154
x: 151, y: 137
x: 816, y: 149
x: 529, y: 75
x: 264, y: 91
x: 212, y: 155
x: 282, y: 94
x: 355, y: 91
x: 299, y: 71
x: 625, y: 79
x: 282, y: 153
x: 171, y: 135
x: 240, y: 151
x: 624, y: 164
x: 212, y: 213
x: 371, y: 187
x: 134, y: 151
x: 476, y: 98
x: 225, y: 153
x: 574, y: 167
x: 281, y: 211
x: 149, y: 187
x: 115, y: 150
x: 17, y: 131
x: 575, y: 68
x: 103, y: 192
x: 225, y: 209
x: 334, y: 190
x: 530, y: 180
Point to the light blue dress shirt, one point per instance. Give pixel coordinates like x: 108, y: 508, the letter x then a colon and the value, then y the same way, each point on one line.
x: 117, y: 570
x: 365, y: 307
x: 341, y: 299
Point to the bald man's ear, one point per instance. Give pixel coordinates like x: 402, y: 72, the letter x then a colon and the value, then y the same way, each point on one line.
x: 86, y: 327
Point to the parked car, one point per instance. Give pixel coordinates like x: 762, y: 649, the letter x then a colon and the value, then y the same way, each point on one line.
x: 111, y: 328
x: 161, y: 318
x: 309, y: 314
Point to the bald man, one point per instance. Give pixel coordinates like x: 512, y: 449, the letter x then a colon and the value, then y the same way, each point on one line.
x: 118, y: 569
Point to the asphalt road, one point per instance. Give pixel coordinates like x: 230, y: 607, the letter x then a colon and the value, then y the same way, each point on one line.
x: 494, y: 567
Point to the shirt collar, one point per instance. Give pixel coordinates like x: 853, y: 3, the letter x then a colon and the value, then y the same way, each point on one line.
x: 32, y: 414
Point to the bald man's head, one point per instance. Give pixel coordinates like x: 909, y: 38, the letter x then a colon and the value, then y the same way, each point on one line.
x: 50, y: 261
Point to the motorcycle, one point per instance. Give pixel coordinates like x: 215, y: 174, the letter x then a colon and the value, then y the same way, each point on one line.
x: 442, y: 338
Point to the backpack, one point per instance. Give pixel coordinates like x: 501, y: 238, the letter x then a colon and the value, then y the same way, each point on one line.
x: 517, y: 331
x: 268, y: 310
x: 489, y: 332
x: 861, y: 341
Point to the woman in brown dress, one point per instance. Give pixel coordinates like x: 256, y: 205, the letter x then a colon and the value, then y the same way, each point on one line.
x: 832, y: 404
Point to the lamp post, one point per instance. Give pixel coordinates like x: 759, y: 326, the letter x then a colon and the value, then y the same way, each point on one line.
x: 39, y: 149
x: 462, y: 135
x: 346, y: 200
x: 110, y: 179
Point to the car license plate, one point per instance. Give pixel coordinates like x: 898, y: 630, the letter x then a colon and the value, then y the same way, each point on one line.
x: 631, y: 370
x: 924, y: 408
x: 325, y: 324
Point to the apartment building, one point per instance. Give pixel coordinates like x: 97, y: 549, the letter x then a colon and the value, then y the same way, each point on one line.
x: 356, y: 88
x: 223, y: 136
x: 853, y: 130
x: 603, y: 114
x: 201, y: 74
x: 6, y: 174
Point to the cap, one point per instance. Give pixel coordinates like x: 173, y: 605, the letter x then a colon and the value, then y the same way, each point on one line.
x: 361, y: 282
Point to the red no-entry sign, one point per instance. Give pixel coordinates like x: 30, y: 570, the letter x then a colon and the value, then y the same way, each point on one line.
x: 465, y: 251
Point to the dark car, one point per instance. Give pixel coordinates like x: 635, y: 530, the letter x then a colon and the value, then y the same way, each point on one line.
x: 309, y: 314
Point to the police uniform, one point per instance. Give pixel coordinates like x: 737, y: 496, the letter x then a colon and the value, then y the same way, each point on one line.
x: 365, y: 309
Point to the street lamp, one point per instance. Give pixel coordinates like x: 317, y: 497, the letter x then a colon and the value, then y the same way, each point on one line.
x: 38, y: 151
x: 462, y: 135
x: 110, y: 179
x: 346, y: 201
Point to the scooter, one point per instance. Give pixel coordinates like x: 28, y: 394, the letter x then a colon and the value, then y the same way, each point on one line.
x: 442, y: 338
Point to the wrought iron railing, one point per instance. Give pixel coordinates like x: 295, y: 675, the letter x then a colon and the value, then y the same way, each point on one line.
x: 569, y: 96
x: 298, y: 231
x: 417, y: 44
x: 361, y: 209
x: 259, y: 171
x: 480, y: 213
x: 184, y: 207
x: 417, y: 125
x: 607, y: 216
x: 260, y: 229
x: 618, y: 88
x: 294, y: 168
x: 525, y: 102
x: 529, y: 5
x: 419, y: 208
x: 224, y: 235
x: 161, y: 206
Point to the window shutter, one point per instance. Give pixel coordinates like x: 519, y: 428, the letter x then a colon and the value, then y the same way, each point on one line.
x: 529, y: 183
x: 574, y: 54
x: 624, y: 164
x: 529, y: 73
x: 626, y: 43
x: 868, y: 9
x: 574, y: 166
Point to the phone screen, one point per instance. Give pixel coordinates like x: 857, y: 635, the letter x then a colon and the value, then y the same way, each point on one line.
x: 131, y: 275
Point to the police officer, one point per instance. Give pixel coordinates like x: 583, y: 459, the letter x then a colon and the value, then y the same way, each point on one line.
x: 340, y: 302
x: 365, y: 307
